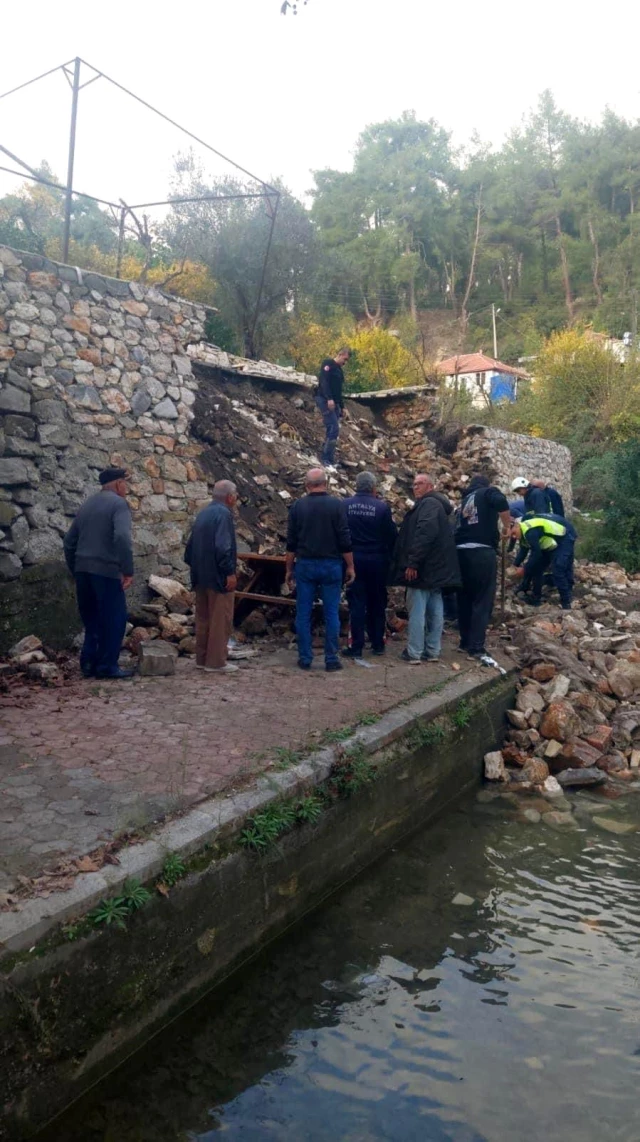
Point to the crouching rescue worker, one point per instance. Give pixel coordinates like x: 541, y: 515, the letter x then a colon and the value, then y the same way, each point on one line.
x: 546, y: 541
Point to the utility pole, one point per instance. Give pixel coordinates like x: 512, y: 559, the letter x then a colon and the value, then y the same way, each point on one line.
x: 68, y: 202
x: 495, y: 335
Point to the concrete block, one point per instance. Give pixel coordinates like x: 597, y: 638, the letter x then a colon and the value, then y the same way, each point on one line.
x: 157, y: 659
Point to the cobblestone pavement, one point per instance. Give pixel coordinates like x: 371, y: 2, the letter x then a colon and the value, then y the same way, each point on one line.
x: 80, y: 765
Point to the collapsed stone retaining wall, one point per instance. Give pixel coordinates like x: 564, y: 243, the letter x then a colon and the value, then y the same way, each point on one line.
x: 95, y: 371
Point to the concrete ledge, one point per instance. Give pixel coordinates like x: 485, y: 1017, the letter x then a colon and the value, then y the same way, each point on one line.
x: 73, y: 1009
x: 215, y: 819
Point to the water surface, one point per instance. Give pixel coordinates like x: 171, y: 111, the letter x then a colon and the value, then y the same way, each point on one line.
x: 479, y: 984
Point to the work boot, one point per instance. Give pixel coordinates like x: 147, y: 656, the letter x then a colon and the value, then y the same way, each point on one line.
x: 331, y: 666
x: 351, y: 652
x: 532, y: 602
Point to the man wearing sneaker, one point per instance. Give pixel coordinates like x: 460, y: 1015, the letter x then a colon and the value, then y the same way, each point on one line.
x: 99, y: 555
x: 477, y: 541
x: 425, y: 562
x: 318, y: 545
x: 211, y: 554
x: 373, y: 534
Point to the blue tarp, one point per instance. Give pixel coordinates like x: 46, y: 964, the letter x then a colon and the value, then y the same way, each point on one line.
x: 503, y: 387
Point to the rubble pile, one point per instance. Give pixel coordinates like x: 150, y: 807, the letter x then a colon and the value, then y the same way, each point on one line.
x: 576, y: 717
x: 29, y: 661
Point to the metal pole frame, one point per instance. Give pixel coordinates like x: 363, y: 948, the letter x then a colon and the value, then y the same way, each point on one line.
x: 68, y: 201
x: 269, y: 193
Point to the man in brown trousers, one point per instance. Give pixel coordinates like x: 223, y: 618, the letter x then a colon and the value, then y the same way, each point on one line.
x: 211, y: 554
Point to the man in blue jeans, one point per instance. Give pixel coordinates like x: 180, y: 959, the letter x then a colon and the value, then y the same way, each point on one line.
x: 426, y: 563
x: 318, y: 544
x: 99, y: 555
x: 330, y: 401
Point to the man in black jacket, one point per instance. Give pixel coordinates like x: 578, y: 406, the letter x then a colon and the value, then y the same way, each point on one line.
x: 477, y: 541
x: 99, y: 555
x: 318, y: 543
x: 425, y: 562
x: 211, y: 554
x: 330, y: 401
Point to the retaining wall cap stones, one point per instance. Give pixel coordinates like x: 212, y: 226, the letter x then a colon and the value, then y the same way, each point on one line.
x: 217, y: 818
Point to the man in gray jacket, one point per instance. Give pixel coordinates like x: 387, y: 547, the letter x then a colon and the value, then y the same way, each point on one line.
x: 99, y: 555
x: 211, y: 554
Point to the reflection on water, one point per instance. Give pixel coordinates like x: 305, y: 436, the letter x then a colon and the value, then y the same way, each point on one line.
x: 480, y: 984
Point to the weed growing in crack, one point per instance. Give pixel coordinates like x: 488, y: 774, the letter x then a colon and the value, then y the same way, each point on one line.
x: 368, y: 719
x: 332, y: 736
x: 173, y: 870
x: 351, y: 772
x: 310, y: 808
x: 110, y: 913
x: 113, y: 912
x: 285, y: 758
x: 461, y: 716
x: 423, y: 735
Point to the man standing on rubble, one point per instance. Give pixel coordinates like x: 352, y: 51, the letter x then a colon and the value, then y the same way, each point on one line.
x: 99, y: 555
x: 477, y: 541
x: 211, y: 554
x: 374, y: 535
x: 318, y: 544
x: 330, y: 401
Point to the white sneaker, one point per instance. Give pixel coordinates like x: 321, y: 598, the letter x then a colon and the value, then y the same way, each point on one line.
x: 228, y: 668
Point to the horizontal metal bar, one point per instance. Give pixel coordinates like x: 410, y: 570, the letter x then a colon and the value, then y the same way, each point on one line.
x: 198, y: 198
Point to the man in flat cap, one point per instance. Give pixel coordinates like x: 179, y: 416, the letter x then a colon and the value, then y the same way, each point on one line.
x: 99, y: 555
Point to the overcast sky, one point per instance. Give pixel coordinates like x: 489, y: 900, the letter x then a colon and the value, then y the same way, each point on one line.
x: 286, y: 95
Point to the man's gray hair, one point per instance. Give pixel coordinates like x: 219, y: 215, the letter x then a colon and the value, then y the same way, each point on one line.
x: 223, y: 488
x: 366, y: 482
x: 315, y: 478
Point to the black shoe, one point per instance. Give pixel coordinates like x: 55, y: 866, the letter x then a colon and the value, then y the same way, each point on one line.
x: 304, y: 665
x: 566, y: 606
x: 430, y: 657
x: 331, y: 666
x: 532, y: 602
x: 462, y: 646
x: 476, y: 653
x: 88, y: 671
x: 117, y: 674
x: 379, y: 650
x: 351, y: 652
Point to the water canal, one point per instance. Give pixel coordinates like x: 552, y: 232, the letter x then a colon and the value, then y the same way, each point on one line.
x: 481, y: 983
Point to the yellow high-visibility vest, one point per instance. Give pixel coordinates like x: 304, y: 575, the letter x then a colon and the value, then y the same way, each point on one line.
x: 550, y: 527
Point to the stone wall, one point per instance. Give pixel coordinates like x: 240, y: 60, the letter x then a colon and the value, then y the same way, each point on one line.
x: 508, y: 454
x: 93, y: 371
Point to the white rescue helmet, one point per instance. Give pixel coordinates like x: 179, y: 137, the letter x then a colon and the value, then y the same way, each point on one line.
x: 520, y: 483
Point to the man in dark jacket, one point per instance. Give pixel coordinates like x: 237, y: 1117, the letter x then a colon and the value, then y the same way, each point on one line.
x: 99, y: 555
x: 425, y: 562
x: 373, y: 534
x: 477, y: 540
x: 330, y: 401
x: 539, y: 497
x: 211, y: 554
x: 318, y: 543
